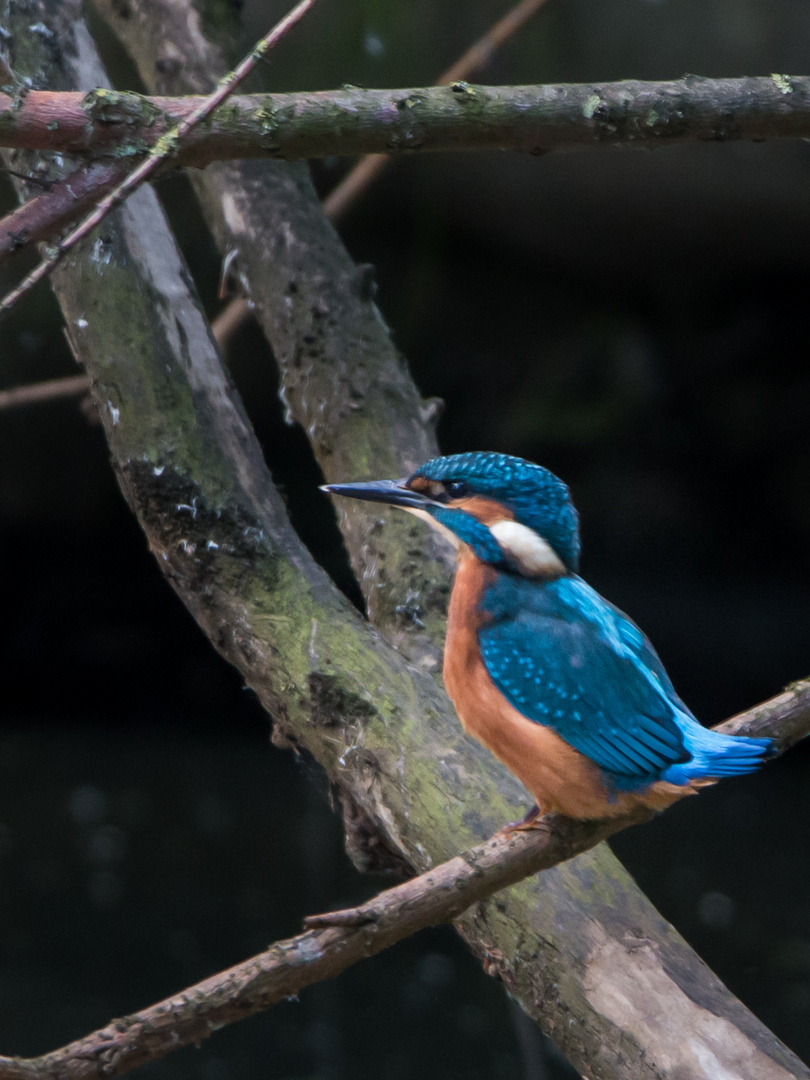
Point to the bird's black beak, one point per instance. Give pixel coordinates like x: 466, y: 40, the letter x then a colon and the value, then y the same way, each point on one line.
x: 393, y: 492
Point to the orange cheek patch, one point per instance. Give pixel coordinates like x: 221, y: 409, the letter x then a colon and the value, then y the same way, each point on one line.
x: 488, y: 511
x: 426, y: 487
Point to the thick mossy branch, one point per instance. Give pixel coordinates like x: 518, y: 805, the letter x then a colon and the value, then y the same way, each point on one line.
x: 343, y: 378
x: 458, y: 117
x: 382, y: 729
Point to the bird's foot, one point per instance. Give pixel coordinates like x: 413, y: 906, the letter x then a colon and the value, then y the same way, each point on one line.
x: 529, y: 822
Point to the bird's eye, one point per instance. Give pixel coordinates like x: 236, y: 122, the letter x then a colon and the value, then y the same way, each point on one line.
x: 457, y: 489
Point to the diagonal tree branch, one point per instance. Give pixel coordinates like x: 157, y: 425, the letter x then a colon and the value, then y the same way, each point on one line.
x: 331, y: 943
x: 40, y: 218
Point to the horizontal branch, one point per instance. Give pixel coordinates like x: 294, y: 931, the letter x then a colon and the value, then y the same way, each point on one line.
x: 335, y: 941
x: 117, y: 128
x: 461, y: 116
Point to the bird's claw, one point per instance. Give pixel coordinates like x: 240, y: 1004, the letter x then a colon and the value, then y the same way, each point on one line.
x: 530, y: 821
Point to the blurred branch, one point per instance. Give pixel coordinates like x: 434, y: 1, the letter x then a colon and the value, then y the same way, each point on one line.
x: 235, y: 314
x: 335, y: 941
x: 38, y: 393
x: 457, y: 117
x: 360, y: 177
x: 77, y: 386
x: 481, y: 51
x: 161, y: 151
x: 365, y: 172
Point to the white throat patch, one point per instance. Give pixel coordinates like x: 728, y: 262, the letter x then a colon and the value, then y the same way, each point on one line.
x: 434, y: 524
x: 532, y: 555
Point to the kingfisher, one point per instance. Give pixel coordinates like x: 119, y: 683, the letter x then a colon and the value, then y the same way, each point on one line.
x: 553, y: 679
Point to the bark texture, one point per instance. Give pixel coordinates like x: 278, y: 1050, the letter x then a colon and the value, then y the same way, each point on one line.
x: 460, y: 116
x: 580, y: 946
x: 119, y: 127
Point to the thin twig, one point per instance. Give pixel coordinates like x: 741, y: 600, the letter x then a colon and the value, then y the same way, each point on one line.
x: 34, y: 181
x: 335, y: 941
x: 366, y: 171
x: 340, y: 940
x: 226, y: 323
x: 165, y: 148
x: 17, y: 397
x: 481, y: 52
x: 371, y: 167
x: 233, y: 316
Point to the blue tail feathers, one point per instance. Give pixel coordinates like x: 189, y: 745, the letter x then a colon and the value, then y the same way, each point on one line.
x: 717, y: 755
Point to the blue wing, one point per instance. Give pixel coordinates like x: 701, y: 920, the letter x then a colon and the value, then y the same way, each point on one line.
x: 567, y: 659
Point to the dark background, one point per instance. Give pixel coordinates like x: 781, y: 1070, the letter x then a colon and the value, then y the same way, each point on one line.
x: 638, y: 323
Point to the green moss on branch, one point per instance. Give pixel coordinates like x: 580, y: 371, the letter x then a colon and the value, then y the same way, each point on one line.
x: 459, y: 117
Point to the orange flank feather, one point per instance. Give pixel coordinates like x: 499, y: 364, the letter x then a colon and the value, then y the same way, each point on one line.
x: 558, y: 776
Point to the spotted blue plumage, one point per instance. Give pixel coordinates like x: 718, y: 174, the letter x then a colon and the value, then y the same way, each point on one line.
x: 558, y: 652
x: 566, y: 658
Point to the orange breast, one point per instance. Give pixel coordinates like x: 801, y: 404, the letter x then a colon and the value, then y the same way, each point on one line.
x: 557, y: 775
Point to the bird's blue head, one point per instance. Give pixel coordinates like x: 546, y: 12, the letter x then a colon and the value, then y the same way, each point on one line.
x: 511, y: 513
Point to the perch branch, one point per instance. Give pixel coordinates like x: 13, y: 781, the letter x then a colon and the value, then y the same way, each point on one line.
x: 164, y: 149
x: 331, y: 944
x: 335, y: 941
